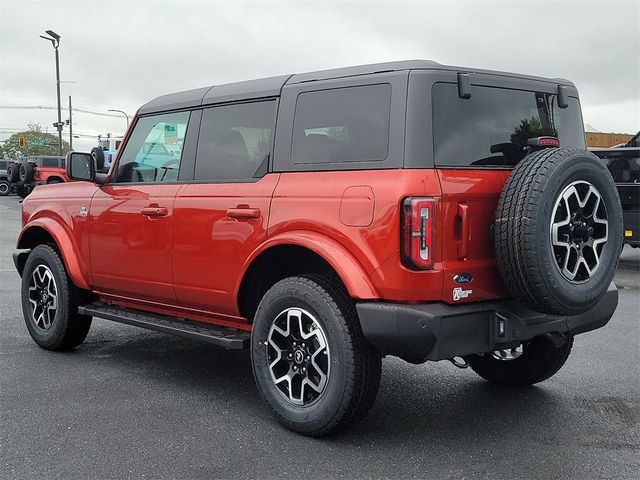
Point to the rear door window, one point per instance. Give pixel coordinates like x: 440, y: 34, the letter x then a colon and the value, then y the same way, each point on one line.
x: 235, y: 141
x: 491, y: 128
x: 342, y: 125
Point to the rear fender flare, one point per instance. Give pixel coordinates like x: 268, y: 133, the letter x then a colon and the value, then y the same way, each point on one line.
x: 354, y: 277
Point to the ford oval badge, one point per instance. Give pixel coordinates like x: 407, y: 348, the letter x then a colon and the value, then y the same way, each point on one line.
x: 463, y: 277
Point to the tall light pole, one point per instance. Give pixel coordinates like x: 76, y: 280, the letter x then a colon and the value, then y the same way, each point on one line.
x: 120, y: 111
x: 54, y: 38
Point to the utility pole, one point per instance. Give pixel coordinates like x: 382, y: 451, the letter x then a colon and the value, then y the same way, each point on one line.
x: 54, y: 38
x: 70, y: 127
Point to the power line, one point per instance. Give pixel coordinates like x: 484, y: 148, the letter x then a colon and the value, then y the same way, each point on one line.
x: 45, y: 107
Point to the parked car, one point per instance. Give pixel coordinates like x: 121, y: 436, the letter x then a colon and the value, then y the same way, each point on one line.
x: 323, y: 220
x: 5, y: 185
x: 29, y: 172
x: 624, y: 164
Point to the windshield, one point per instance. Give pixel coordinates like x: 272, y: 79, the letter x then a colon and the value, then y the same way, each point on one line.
x: 492, y: 127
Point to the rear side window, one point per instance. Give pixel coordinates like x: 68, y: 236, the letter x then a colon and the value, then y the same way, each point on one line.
x: 50, y: 162
x: 492, y: 127
x: 235, y: 141
x: 154, y: 150
x: 342, y: 125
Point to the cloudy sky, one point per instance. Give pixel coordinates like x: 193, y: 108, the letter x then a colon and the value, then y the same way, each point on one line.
x: 118, y: 55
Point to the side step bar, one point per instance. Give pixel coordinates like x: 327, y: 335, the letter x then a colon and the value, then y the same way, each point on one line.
x: 221, y: 336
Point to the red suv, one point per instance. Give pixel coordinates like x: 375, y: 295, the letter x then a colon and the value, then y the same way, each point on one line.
x: 324, y: 220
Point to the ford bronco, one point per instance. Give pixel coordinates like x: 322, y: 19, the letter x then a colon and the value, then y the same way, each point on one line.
x: 324, y: 220
x: 29, y: 172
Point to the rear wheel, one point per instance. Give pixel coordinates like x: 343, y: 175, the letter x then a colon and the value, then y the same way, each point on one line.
x: 50, y: 302
x: 531, y: 362
x: 5, y: 188
x: 311, y: 362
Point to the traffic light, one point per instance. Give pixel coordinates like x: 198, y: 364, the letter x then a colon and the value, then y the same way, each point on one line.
x: 21, y: 141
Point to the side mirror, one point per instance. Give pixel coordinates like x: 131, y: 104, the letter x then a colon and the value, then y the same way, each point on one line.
x: 80, y: 166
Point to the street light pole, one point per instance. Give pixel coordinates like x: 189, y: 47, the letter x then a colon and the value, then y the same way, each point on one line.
x: 120, y: 111
x: 54, y: 38
x: 59, y: 106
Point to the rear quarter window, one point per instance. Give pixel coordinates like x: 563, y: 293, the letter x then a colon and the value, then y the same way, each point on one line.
x: 491, y: 128
x: 342, y: 125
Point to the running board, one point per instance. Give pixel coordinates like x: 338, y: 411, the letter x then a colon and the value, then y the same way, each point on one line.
x: 221, y: 336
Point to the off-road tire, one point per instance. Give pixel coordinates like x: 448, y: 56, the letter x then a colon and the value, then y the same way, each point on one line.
x: 354, y: 378
x: 5, y: 188
x: 522, y: 232
x: 68, y: 328
x: 540, y: 360
x: 98, y: 154
x: 26, y: 172
x: 13, y: 172
x: 22, y: 191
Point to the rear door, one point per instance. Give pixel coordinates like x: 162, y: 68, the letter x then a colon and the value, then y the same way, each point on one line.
x: 221, y: 217
x: 131, y: 218
x: 476, y: 143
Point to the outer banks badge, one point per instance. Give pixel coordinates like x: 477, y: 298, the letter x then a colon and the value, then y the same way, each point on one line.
x: 459, y: 293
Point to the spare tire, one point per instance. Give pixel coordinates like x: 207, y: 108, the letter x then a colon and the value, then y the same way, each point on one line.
x: 98, y: 155
x: 558, y: 231
x: 13, y: 172
x: 26, y: 172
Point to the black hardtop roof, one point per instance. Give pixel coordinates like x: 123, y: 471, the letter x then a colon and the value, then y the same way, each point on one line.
x: 271, y: 87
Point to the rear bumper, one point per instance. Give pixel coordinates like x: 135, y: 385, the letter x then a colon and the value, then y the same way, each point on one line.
x: 437, y: 331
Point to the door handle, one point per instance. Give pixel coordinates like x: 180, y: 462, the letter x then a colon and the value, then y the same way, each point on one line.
x: 465, y: 230
x: 243, y: 213
x: 154, y: 212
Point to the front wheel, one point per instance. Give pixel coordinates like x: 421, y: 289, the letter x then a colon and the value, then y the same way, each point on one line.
x: 50, y: 302
x: 311, y: 362
x: 531, y: 362
x: 5, y: 188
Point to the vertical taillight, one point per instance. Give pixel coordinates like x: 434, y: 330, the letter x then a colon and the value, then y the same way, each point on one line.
x: 417, y: 233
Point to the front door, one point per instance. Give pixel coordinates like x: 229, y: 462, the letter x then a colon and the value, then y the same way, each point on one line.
x: 132, y: 218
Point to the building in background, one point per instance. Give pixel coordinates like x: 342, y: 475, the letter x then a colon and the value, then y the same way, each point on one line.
x: 596, y: 138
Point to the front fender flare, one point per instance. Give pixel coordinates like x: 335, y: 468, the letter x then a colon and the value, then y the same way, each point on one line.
x: 68, y: 250
x: 354, y: 277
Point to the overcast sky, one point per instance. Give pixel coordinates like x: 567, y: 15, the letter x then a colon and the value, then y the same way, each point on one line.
x: 121, y: 54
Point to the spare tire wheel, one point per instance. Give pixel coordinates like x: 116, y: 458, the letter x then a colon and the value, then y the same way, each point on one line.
x: 26, y: 172
x: 558, y: 231
x: 13, y: 172
x: 98, y: 155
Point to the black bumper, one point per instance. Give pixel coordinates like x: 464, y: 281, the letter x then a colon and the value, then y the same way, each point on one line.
x: 437, y: 331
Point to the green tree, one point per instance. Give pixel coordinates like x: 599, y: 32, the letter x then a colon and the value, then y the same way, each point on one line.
x: 37, y: 143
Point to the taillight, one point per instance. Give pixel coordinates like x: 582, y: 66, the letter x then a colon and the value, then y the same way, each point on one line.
x: 417, y: 233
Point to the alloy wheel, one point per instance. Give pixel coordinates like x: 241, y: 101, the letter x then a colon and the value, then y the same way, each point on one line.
x: 298, y: 356
x: 43, y: 297
x: 579, y: 231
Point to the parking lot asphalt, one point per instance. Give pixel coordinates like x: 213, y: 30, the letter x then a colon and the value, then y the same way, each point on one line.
x: 130, y: 403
